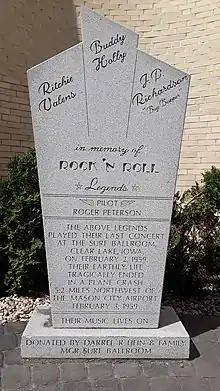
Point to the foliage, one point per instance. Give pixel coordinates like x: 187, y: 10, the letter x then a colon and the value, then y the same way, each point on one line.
x: 21, y: 233
x: 193, y: 259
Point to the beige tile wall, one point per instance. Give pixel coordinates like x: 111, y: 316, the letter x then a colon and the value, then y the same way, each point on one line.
x: 30, y: 32
x: 186, y: 34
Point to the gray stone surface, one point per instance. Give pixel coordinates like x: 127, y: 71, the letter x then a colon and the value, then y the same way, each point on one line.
x: 43, y: 374
x: 107, y: 171
x: 110, y: 297
x: 217, y: 332
x: 70, y: 372
x: 1, y: 359
x: 194, y: 384
x: 140, y: 384
x: 105, y: 385
x: 128, y: 369
x: 109, y: 59
x: 16, y: 376
x: 13, y: 356
x: 18, y: 339
x: 7, y: 341
x: 50, y: 387
x: 181, y: 369
x: 154, y: 83
x: 14, y: 327
x: 76, y: 386
x: 41, y: 340
x: 156, y: 369
x: 166, y: 384
x: 207, y: 368
x: 214, y: 385
x: 58, y: 107
x: 21, y: 389
x: 100, y: 371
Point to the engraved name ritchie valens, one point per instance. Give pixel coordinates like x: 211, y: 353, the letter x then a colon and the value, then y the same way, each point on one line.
x: 46, y: 88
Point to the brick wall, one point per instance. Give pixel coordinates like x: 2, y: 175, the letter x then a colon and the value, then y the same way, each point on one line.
x: 186, y: 34
x: 30, y: 32
x: 15, y: 121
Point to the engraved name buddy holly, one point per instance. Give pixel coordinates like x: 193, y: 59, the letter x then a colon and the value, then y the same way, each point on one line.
x: 102, y: 61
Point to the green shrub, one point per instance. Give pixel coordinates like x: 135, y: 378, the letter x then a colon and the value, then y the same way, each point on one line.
x: 193, y: 259
x: 21, y: 233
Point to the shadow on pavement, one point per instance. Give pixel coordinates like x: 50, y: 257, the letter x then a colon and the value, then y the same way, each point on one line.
x: 197, y: 325
x: 201, y: 328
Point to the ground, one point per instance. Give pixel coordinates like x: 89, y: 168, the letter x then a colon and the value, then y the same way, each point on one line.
x: 200, y: 373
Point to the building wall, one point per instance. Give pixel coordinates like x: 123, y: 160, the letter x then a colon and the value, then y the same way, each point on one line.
x: 30, y: 32
x: 184, y: 33
x: 15, y: 121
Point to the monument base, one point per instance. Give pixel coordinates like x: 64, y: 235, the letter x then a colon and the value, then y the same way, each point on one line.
x: 41, y: 340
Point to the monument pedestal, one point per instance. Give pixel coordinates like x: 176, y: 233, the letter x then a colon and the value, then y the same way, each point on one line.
x: 41, y: 340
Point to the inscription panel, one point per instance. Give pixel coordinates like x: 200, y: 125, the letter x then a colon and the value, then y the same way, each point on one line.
x: 107, y: 273
x: 84, y: 207
x: 107, y: 347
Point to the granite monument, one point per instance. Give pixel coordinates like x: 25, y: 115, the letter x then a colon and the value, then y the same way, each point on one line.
x: 108, y: 122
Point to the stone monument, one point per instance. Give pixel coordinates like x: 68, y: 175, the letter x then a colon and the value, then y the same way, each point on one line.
x: 108, y: 122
